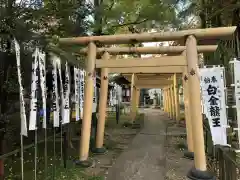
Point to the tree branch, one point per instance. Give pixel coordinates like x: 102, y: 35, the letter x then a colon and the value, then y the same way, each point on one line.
x: 131, y: 23
x: 111, y: 5
x: 229, y: 7
x: 104, y: 19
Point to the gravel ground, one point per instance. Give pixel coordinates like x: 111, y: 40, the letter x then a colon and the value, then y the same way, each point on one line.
x: 155, y: 152
x: 176, y: 166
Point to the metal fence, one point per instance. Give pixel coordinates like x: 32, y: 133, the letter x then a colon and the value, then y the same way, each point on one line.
x: 223, y: 161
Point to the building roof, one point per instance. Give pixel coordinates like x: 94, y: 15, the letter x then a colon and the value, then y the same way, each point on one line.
x: 120, y: 80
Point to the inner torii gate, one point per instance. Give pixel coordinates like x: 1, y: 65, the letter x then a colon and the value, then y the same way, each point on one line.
x: 187, y: 67
x: 159, y: 81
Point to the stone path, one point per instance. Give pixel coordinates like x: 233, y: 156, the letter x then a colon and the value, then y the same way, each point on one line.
x: 146, y: 157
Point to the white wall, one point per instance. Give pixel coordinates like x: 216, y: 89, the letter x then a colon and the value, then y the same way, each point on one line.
x: 152, y: 92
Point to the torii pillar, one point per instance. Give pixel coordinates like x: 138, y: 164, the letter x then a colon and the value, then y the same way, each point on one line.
x: 172, y: 101
x: 87, y: 108
x: 189, y: 154
x: 169, y: 102
x: 199, y: 171
x: 164, y: 101
x: 133, y: 98
x: 102, y: 108
x: 137, y: 98
x: 176, y: 98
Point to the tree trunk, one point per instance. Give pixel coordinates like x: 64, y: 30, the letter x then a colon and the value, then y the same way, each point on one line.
x: 236, y: 22
x: 4, y: 107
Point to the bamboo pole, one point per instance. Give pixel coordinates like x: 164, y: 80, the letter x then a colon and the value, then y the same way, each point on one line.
x: 88, y: 102
x: 195, y: 104
x: 176, y: 97
x: 102, y: 106
x: 151, y: 50
x: 209, y: 33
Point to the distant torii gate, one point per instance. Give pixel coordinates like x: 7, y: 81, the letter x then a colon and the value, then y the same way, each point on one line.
x: 190, y: 36
x: 160, y: 81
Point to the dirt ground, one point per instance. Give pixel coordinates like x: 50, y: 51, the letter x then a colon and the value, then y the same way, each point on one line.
x: 176, y: 166
x: 119, y: 140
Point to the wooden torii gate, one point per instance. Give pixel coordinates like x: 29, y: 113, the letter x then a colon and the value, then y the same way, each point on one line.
x: 190, y: 51
x: 145, y: 81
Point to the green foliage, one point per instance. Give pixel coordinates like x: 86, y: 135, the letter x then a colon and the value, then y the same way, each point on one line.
x: 65, y: 18
x: 37, y: 24
x: 140, y: 15
x: 41, y: 23
x: 11, y: 85
x: 213, y: 13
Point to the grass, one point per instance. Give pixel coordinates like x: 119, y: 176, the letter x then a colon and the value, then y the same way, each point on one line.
x: 111, y: 120
x: 54, y: 168
x: 182, y: 115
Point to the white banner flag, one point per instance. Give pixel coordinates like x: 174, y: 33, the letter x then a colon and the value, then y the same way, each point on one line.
x: 111, y: 100
x: 66, y: 106
x: 21, y: 92
x: 42, y: 67
x: 59, y: 69
x: 127, y: 92
x: 82, y: 84
x: 55, y: 102
x: 34, y: 85
x: 76, y: 92
x: 115, y: 100
x: 236, y: 66
x: 94, y: 106
x: 213, y: 99
x: 120, y: 93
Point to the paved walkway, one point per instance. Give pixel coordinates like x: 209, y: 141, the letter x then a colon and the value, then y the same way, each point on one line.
x: 145, y: 159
